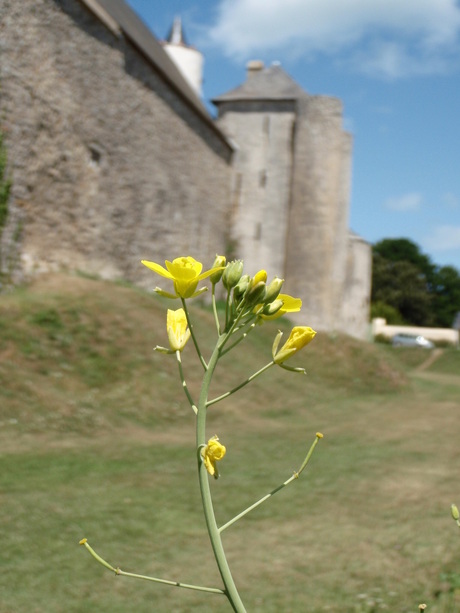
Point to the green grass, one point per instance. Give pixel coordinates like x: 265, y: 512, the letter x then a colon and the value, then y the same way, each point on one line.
x: 97, y: 441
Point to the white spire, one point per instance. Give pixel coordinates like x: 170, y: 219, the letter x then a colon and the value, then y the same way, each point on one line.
x: 176, y: 34
x: 187, y: 58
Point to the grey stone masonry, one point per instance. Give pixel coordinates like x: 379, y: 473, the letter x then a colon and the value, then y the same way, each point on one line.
x: 291, y: 194
x: 114, y: 159
x: 110, y: 164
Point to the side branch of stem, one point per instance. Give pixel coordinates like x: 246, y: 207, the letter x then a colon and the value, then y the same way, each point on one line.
x: 273, y: 492
x: 238, y: 387
x: 123, y: 573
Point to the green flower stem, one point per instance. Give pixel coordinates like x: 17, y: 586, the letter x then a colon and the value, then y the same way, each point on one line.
x: 234, y: 327
x: 273, y: 492
x: 241, y: 338
x: 214, y: 308
x: 227, y: 308
x: 238, y: 387
x: 184, y: 383
x: 192, y: 333
x: 213, y: 531
x: 118, y: 571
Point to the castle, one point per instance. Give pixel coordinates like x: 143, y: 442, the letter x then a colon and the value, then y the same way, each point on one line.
x: 115, y: 158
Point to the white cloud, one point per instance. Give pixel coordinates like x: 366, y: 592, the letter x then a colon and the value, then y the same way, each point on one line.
x: 395, y: 59
x: 451, y: 200
x: 394, y: 37
x: 404, y: 203
x: 444, y: 238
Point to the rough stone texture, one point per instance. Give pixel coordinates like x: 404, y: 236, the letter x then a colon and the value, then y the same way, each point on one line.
x: 113, y: 162
x: 291, y: 194
x: 356, y: 299
x: 262, y: 180
x: 318, y: 229
x: 109, y: 164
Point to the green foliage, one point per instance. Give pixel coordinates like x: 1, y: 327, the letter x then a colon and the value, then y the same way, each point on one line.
x: 446, y: 295
x: 404, y: 250
x: 5, y: 183
x: 388, y: 312
x: 403, y: 287
x: 405, y: 279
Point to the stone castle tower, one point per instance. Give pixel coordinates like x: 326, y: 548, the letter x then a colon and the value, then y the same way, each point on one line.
x: 291, y: 192
x: 114, y: 158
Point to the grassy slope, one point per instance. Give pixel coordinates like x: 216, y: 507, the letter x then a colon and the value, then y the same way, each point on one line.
x: 96, y: 440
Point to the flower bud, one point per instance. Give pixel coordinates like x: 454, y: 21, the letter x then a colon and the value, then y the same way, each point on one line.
x: 177, y: 329
x: 232, y: 274
x: 273, y: 307
x: 219, y: 262
x: 273, y: 289
x: 454, y: 511
x: 299, y: 337
x: 255, y: 294
x: 260, y: 276
x: 241, y: 287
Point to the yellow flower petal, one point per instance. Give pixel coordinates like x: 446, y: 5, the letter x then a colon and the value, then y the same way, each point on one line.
x: 185, y: 272
x: 157, y: 268
x: 177, y: 328
x: 290, y: 305
x: 260, y: 276
x: 212, y: 453
x: 299, y: 337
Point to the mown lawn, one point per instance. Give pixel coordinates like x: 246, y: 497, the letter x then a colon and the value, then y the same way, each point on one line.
x: 97, y: 441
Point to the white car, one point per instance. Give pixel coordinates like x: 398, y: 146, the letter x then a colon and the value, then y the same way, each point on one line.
x: 411, y: 340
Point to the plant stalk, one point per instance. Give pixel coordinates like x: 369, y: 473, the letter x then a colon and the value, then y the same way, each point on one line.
x: 213, y: 530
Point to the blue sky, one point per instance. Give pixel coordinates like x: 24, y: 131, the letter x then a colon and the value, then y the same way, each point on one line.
x: 395, y: 66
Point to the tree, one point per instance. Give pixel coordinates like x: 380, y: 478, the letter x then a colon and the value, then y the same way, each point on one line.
x: 405, y: 279
x: 404, y: 250
x: 446, y: 295
x: 401, y: 285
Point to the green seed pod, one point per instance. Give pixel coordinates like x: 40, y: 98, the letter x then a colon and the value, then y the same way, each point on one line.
x: 232, y: 274
x: 241, y: 287
x: 273, y: 307
x: 219, y: 262
x: 256, y: 294
x: 273, y: 289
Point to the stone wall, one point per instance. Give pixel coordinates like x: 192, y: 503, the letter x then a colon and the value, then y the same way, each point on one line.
x: 109, y: 163
x: 318, y: 222
x: 112, y: 161
x: 437, y: 335
x: 262, y: 180
x: 356, y: 299
x: 291, y: 194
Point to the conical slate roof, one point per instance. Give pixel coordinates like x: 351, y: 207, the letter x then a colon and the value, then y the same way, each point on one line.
x: 271, y: 83
x: 176, y: 34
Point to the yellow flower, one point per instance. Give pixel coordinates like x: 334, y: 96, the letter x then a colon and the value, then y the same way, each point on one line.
x: 212, y: 453
x: 299, y: 337
x: 185, y: 273
x: 178, y: 332
x: 259, y: 277
x: 290, y: 305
